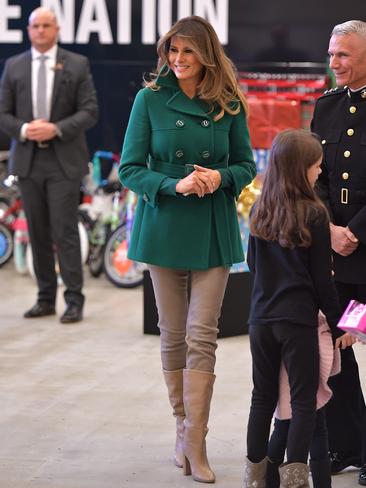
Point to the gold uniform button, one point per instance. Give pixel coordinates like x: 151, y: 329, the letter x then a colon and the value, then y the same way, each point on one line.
x: 324, y: 141
x: 352, y: 109
x: 347, y: 154
x: 345, y: 176
x: 350, y: 132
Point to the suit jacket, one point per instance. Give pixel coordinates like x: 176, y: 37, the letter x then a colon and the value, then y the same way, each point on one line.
x: 166, y: 133
x: 74, y: 109
x: 340, y: 121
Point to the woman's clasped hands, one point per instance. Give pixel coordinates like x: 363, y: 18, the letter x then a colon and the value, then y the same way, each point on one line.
x: 200, y: 182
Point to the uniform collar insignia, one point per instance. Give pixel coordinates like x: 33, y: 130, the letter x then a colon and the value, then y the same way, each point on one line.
x: 357, y: 94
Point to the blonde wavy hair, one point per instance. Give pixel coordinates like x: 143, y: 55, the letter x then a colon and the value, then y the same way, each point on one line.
x: 219, y: 86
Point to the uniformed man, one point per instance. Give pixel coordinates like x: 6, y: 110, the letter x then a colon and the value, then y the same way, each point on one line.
x: 340, y: 120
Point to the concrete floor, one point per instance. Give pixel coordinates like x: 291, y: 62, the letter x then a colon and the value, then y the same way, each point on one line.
x: 84, y: 405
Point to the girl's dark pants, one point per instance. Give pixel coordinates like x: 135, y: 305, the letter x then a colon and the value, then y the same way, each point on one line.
x: 297, y: 346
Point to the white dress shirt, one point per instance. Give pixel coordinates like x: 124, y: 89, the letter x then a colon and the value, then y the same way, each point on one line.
x: 50, y: 63
x: 50, y: 77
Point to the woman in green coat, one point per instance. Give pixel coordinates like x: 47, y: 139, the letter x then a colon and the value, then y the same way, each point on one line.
x: 187, y: 155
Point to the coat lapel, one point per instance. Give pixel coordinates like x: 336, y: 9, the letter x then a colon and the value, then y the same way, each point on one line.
x: 59, y: 70
x: 27, y: 76
x: 179, y: 101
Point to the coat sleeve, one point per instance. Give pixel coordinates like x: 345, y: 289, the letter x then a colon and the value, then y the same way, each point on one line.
x: 322, y: 184
x: 357, y: 225
x: 321, y: 273
x: 86, y: 112
x: 251, y: 254
x: 133, y: 170
x: 241, y: 168
x: 10, y: 124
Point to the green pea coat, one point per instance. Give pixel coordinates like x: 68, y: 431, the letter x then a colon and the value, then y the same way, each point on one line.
x: 166, y: 134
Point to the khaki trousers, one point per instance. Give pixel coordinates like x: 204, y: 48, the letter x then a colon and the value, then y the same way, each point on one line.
x: 188, y: 322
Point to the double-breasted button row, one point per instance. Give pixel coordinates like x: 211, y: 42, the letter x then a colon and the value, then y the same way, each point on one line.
x: 180, y: 153
x: 180, y: 123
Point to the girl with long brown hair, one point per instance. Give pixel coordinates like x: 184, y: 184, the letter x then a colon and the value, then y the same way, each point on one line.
x: 289, y: 256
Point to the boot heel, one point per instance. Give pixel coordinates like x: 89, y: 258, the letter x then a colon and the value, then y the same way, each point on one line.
x: 186, y: 466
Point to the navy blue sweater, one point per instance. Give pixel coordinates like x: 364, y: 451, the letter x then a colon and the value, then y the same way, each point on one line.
x: 292, y: 285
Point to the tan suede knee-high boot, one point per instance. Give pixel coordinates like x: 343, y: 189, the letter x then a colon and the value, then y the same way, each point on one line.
x: 255, y: 474
x: 174, y: 382
x: 294, y: 475
x: 197, y: 394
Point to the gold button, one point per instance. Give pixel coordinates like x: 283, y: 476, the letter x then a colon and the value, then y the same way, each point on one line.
x: 350, y: 132
x: 324, y: 141
x: 345, y: 176
x: 347, y: 154
x: 352, y: 109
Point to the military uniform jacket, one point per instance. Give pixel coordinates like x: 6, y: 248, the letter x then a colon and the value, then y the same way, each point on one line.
x: 166, y: 134
x: 340, y: 121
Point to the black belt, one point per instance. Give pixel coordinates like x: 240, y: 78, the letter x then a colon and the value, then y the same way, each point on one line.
x: 43, y: 145
x: 179, y: 170
x: 349, y: 197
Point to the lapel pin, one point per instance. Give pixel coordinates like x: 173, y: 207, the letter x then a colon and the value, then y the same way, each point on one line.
x: 58, y: 67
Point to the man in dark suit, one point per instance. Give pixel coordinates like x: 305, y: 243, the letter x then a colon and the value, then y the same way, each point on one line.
x: 47, y: 101
x: 340, y: 120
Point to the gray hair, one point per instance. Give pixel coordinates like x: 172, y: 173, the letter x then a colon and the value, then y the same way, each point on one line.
x: 350, y: 27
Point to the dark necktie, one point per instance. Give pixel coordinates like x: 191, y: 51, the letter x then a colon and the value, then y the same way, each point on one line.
x: 42, y: 112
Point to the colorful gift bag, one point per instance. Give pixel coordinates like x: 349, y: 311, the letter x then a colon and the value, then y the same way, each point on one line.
x: 354, y: 320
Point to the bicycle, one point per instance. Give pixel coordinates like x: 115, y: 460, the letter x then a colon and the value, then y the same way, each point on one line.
x: 13, y: 229
x: 121, y: 271
x: 109, y: 221
x: 100, y: 218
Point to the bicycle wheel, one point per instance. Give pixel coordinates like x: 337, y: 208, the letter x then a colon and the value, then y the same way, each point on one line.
x: 6, y: 244
x: 98, y: 236
x: 120, y: 270
x: 95, y: 260
x: 20, y: 252
x: 4, y: 205
x: 84, y: 242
